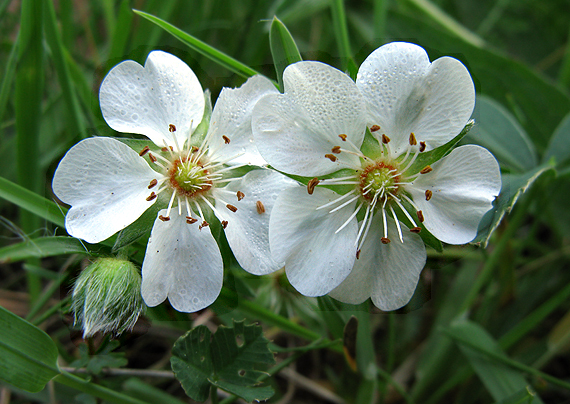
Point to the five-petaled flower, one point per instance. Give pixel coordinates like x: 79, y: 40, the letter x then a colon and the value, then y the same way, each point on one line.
x: 109, y: 185
x: 354, y: 234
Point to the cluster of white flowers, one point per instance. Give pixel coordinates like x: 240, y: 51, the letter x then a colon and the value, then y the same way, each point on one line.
x: 351, y: 232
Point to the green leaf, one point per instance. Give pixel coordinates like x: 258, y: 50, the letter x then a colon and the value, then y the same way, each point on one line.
x: 42, y: 247
x: 559, y: 145
x: 283, y: 48
x: 501, y: 380
x: 103, y: 358
x: 497, y: 129
x: 513, y: 186
x: 32, y: 202
x: 429, y: 157
x: 219, y: 57
x: 525, y: 396
x: 225, y: 360
x: 138, y: 228
x: 28, y: 356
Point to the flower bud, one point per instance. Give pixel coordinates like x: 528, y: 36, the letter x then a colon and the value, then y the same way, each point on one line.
x: 107, y: 297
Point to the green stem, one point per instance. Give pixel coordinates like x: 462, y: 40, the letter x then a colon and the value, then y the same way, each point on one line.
x: 214, y: 394
x: 95, y: 390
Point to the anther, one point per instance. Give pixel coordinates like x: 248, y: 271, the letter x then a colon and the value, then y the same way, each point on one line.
x: 260, y: 208
x: 240, y: 195
x: 311, y: 185
x: 374, y: 128
x: 165, y: 149
x: 422, y: 146
x: 331, y: 157
x: 171, y: 128
x: 416, y: 229
x: 413, y: 140
x: 226, y: 139
x: 152, y: 183
x: 426, y: 170
x: 224, y: 223
x: 190, y: 220
x: 195, y: 149
x: 144, y: 151
x: 164, y: 218
x: 343, y: 137
x: 357, y: 254
x: 385, y: 139
x: 152, y: 158
x: 420, y: 215
x: 231, y: 207
x: 151, y: 196
x: 336, y: 149
x: 428, y: 194
x: 204, y: 224
x: 385, y: 240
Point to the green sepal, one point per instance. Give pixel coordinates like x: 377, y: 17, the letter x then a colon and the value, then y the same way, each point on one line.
x: 225, y: 359
x: 283, y: 49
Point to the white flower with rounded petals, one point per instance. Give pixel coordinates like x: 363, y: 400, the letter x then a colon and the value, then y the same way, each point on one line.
x: 345, y: 235
x: 109, y: 185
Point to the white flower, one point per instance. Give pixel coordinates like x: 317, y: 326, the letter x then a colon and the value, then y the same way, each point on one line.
x: 351, y: 234
x: 109, y: 185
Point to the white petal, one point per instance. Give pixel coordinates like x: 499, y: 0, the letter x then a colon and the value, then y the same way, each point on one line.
x: 293, y: 131
x: 405, y: 93
x: 248, y: 230
x: 106, y: 184
x: 464, y: 185
x: 316, y: 259
x: 147, y: 100
x: 388, y: 273
x: 183, y: 263
x: 231, y: 117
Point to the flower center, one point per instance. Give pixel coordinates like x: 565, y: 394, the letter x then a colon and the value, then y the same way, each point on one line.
x: 378, y: 182
x: 189, y: 178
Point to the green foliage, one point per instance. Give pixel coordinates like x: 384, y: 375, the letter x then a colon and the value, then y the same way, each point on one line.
x: 104, y: 357
x: 28, y: 356
x: 283, y: 49
x: 227, y: 359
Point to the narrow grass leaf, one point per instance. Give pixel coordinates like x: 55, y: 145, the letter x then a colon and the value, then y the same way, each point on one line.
x: 341, y: 34
x: 121, y: 31
x: 28, y: 356
x: 497, y: 129
x: 219, y: 57
x: 559, y: 145
x: 42, y: 247
x: 8, y: 77
x: 283, y: 49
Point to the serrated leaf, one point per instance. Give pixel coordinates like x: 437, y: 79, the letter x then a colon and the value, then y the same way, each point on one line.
x: 283, y: 48
x: 559, y: 145
x: 226, y: 360
x: 497, y: 129
x: 513, y: 186
x: 501, y: 381
x: 28, y: 356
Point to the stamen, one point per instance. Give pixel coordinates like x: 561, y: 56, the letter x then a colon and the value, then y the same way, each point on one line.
x: 362, y: 225
x: 188, y: 211
x: 260, y: 207
x: 367, y: 228
x: 171, y: 128
x: 151, y: 156
x: 343, y: 137
x: 344, y: 204
x: 426, y: 170
x: 311, y: 185
x: 385, y: 240
x: 165, y: 149
x: 385, y: 222
x: 226, y: 139
x: 227, y: 168
x: 416, y: 229
x: 412, y: 139
x: 357, y: 254
x: 240, y: 195
x: 331, y: 157
x: 231, y: 207
x: 200, y: 213
x: 397, y: 223
x: 410, y: 202
x: 336, y: 149
x: 144, y: 151
x: 170, y: 204
x: 422, y: 146
x: 164, y: 218
x: 326, y: 205
x: 385, y: 139
x: 151, y: 196
x: 428, y: 194
x: 374, y: 128
x: 420, y: 215
x: 190, y: 220
x: 152, y: 183
x: 204, y: 224
x: 405, y: 211
x: 414, y: 156
x: 224, y: 223
x: 349, y: 219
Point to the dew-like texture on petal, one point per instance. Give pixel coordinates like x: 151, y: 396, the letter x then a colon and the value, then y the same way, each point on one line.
x: 295, y: 130
x: 406, y: 93
x: 183, y: 263
x: 248, y: 228
x: 147, y: 100
x: 316, y: 259
x: 388, y: 273
x: 231, y: 117
x: 106, y: 184
x: 463, y: 185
